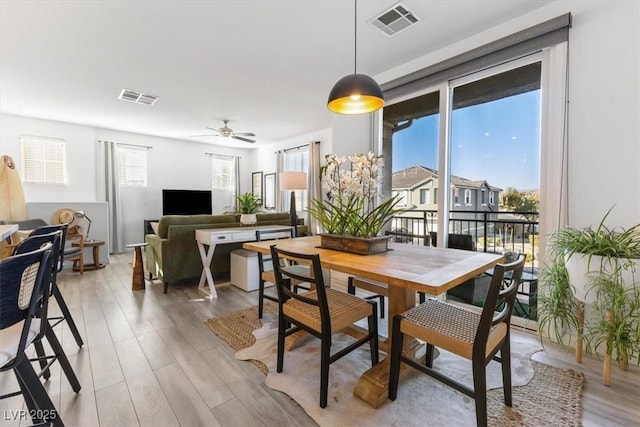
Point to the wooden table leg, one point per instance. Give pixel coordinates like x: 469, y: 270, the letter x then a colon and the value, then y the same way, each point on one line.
x: 373, y: 385
x: 137, y: 280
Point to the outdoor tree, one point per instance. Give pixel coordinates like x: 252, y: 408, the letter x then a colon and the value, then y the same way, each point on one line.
x: 525, y: 204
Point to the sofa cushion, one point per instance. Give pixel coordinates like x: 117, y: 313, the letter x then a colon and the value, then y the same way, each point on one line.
x: 168, y: 220
x: 276, y: 218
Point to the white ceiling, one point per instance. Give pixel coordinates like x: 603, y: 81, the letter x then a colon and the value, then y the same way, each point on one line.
x: 266, y: 65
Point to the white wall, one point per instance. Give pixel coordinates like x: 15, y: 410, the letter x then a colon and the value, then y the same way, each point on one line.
x: 264, y: 159
x: 172, y: 164
x: 80, y: 151
x: 604, y: 112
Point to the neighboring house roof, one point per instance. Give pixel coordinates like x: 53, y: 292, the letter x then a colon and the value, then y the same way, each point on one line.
x: 412, y: 177
x: 415, y: 176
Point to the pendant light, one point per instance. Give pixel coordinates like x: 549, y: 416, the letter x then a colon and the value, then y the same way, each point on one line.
x: 355, y: 93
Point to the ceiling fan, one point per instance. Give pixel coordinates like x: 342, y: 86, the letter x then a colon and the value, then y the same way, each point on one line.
x: 227, y: 132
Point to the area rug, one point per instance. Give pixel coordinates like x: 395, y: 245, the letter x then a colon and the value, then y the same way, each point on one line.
x: 542, y: 394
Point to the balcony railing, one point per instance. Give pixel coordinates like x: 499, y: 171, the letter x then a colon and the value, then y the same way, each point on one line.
x: 492, y: 231
x: 496, y: 232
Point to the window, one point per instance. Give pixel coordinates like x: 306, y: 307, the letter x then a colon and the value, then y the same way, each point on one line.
x: 483, y: 197
x: 297, y: 161
x: 44, y: 160
x: 456, y: 196
x: 424, y: 196
x: 132, y: 166
x: 435, y: 196
x: 222, y: 173
x: 403, y: 197
x: 491, y: 198
x: 467, y: 197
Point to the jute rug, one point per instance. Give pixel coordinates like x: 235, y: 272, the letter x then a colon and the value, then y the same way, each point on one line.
x: 542, y: 394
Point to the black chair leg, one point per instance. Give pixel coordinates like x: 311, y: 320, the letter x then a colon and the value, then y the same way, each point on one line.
x: 31, y: 386
x: 423, y: 297
x: 166, y: 287
x: 325, y: 348
x: 373, y: 331
x: 351, y: 289
x: 428, y: 359
x: 260, y: 298
x: 396, y: 351
x: 282, y: 326
x: 62, y: 359
x: 480, y: 390
x: 505, y: 360
x: 46, y: 374
x: 67, y: 315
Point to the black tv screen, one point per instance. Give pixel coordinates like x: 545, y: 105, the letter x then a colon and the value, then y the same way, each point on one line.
x: 186, y: 202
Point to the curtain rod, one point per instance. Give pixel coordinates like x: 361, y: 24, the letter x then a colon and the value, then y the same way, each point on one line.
x: 224, y: 156
x: 148, y: 147
x: 300, y: 146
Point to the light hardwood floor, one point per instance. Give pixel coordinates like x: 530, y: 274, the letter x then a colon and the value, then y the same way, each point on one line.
x: 149, y: 360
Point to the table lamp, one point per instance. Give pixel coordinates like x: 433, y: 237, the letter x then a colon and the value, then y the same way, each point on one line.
x: 81, y: 215
x: 292, y: 181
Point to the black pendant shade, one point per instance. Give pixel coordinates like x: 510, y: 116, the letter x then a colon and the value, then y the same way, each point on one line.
x: 355, y: 94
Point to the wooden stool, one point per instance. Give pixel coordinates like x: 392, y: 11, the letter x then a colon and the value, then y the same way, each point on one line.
x: 137, y: 280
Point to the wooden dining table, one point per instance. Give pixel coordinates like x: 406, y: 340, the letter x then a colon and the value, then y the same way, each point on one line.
x: 406, y: 269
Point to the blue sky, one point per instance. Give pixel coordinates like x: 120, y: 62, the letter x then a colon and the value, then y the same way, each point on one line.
x: 496, y: 141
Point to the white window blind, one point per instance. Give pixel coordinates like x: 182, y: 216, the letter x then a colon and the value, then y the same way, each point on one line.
x: 43, y: 160
x: 222, y: 173
x: 297, y: 161
x: 132, y: 166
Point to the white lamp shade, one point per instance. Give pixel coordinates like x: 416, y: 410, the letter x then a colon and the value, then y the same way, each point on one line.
x: 292, y: 181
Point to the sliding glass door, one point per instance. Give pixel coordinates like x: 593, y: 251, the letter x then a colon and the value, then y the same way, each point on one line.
x: 465, y: 158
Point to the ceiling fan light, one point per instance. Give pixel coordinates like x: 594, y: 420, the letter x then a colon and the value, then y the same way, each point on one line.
x: 355, y: 94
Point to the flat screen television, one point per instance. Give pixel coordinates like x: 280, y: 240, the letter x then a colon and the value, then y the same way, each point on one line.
x: 186, y: 202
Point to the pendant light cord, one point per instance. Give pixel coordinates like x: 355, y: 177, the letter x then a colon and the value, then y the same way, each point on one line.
x: 355, y: 35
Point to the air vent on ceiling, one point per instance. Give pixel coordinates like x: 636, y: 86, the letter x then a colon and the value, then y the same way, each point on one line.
x: 137, y: 97
x: 395, y: 19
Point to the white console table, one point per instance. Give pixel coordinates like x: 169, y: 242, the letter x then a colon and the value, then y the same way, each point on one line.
x: 216, y: 236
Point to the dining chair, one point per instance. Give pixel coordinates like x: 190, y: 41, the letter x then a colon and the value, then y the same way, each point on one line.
x: 321, y: 312
x: 265, y: 269
x: 474, y: 336
x: 59, y: 262
x: 465, y: 242
x: 32, y: 243
x: 380, y: 290
x: 23, y: 278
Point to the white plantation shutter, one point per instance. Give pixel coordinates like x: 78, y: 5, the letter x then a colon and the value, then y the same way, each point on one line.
x: 297, y: 161
x: 132, y: 166
x: 43, y: 160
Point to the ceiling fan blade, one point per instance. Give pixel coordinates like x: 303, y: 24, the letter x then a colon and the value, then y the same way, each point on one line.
x: 244, y: 134
x: 242, y: 139
x: 195, y: 136
x: 213, y: 129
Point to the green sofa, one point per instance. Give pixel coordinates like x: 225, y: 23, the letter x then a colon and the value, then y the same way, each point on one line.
x: 173, y: 255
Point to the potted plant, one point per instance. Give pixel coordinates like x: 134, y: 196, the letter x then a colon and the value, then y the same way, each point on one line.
x: 248, y: 204
x: 351, y: 214
x: 597, y: 268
